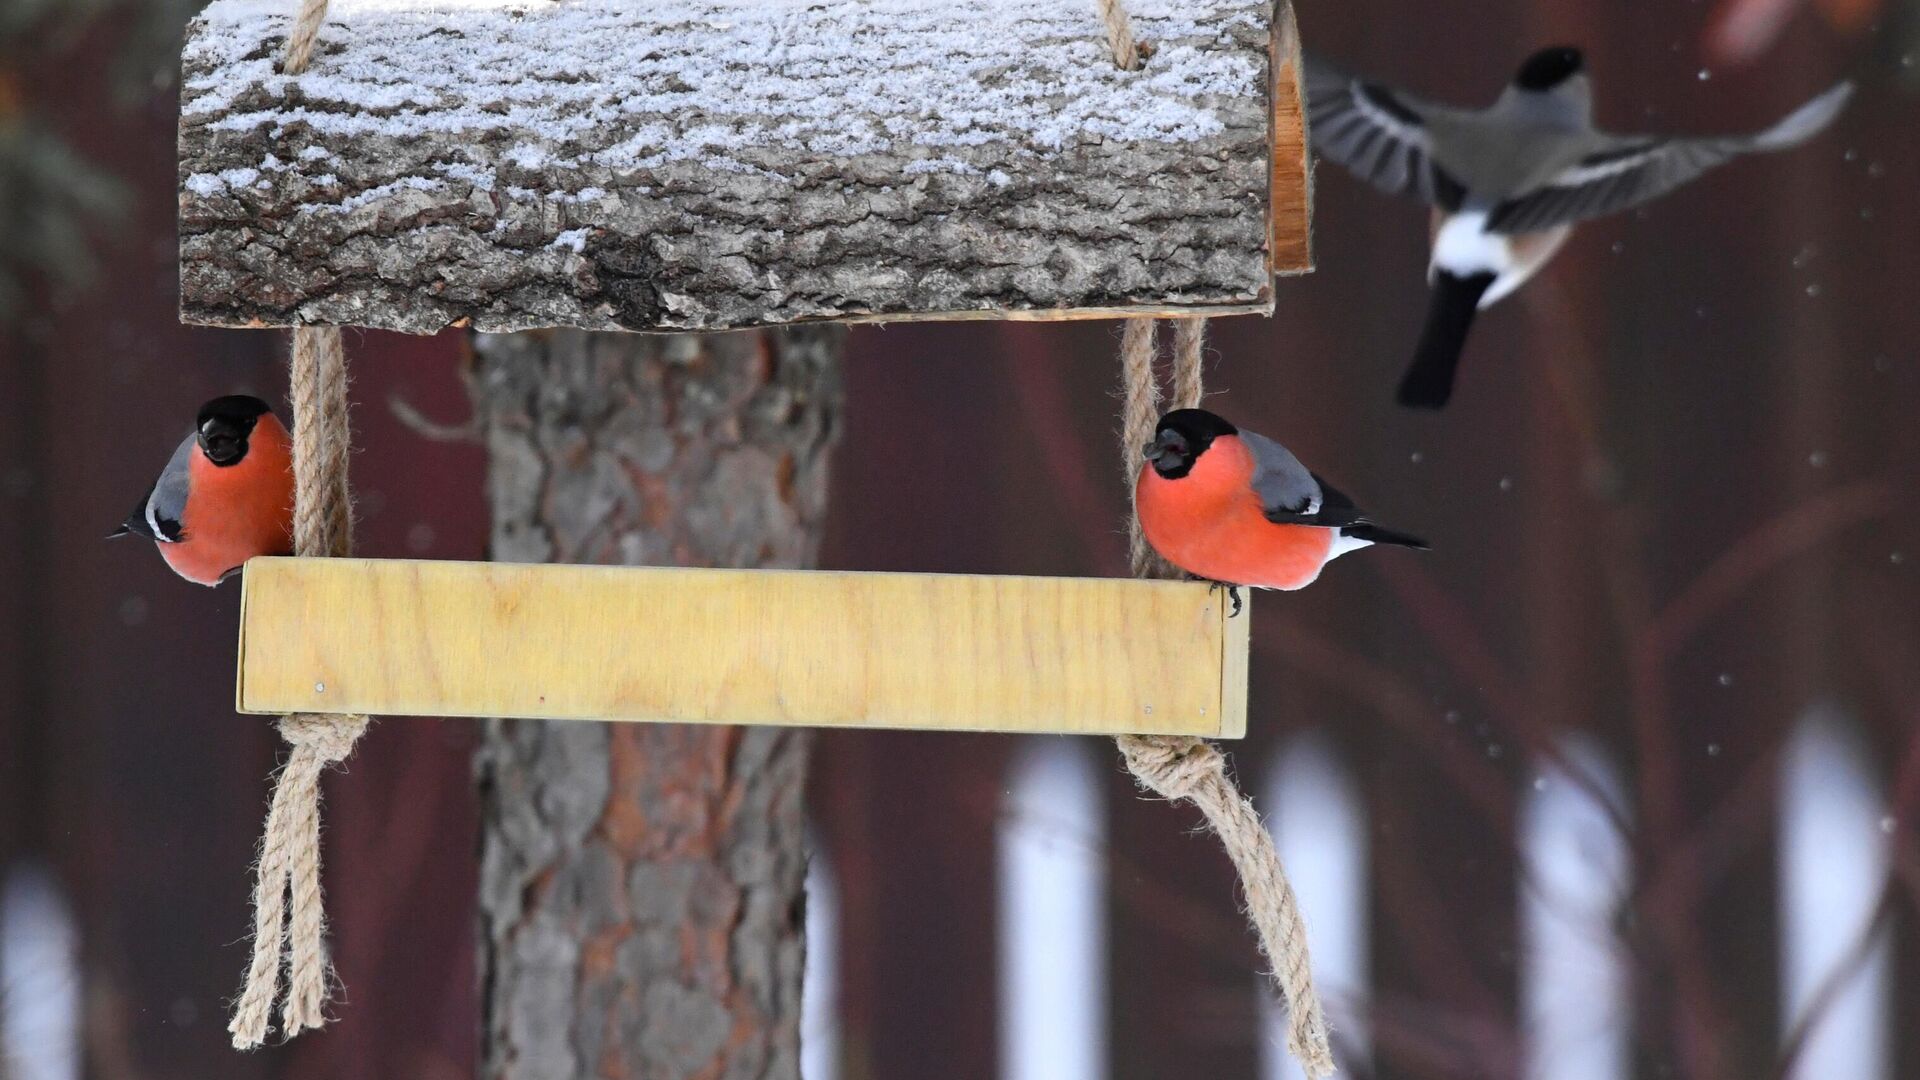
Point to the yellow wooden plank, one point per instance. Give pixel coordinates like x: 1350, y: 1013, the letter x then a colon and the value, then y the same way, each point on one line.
x: 942, y: 652
x: 1234, y: 650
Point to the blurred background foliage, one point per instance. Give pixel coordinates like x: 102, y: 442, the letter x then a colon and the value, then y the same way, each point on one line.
x: 51, y: 197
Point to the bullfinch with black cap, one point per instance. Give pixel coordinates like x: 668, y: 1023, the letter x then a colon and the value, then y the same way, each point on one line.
x: 1235, y: 507
x: 225, y: 496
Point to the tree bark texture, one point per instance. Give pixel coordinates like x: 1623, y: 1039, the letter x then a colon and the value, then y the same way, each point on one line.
x: 642, y: 885
x: 708, y: 164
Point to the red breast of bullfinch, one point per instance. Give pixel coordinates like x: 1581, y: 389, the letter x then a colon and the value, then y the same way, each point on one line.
x: 1238, y: 508
x: 225, y: 496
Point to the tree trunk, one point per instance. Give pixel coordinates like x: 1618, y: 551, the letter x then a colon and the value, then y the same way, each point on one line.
x: 641, y: 893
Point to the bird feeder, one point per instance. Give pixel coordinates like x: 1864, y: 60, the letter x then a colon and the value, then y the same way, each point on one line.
x: 698, y: 165
x: 706, y: 165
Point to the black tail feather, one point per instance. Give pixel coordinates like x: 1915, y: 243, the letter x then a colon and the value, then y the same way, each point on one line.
x: 1429, y: 381
x: 136, y: 523
x: 1380, y: 535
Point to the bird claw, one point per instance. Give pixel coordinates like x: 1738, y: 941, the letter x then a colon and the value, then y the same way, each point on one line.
x: 1233, y: 596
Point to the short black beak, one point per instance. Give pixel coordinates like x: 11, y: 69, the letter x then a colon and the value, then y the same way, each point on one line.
x: 120, y: 532
x: 1163, y: 444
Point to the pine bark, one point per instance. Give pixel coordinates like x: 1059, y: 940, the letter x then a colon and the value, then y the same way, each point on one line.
x: 642, y: 885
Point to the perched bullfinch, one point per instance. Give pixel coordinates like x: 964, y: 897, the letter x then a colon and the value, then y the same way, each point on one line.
x: 1508, y: 182
x: 225, y: 496
x: 1235, y: 507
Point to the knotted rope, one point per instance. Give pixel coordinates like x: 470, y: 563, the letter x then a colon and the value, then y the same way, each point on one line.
x: 1177, y: 767
x: 290, y: 845
x: 322, y: 526
x: 290, y: 862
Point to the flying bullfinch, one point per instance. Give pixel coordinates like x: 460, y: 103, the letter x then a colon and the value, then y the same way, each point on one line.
x: 225, y: 496
x: 1235, y: 507
x: 1508, y: 182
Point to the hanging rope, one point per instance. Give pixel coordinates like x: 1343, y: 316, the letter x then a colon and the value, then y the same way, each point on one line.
x: 1189, y: 349
x: 289, y: 865
x: 1138, y: 416
x: 306, y: 27
x: 1126, y: 52
x: 1177, y: 767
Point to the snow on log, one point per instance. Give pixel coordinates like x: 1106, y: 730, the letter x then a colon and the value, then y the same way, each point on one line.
x: 712, y: 164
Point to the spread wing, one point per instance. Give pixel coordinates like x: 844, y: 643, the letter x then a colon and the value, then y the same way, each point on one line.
x: 1636, y: 170
x: 1377, y: 132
